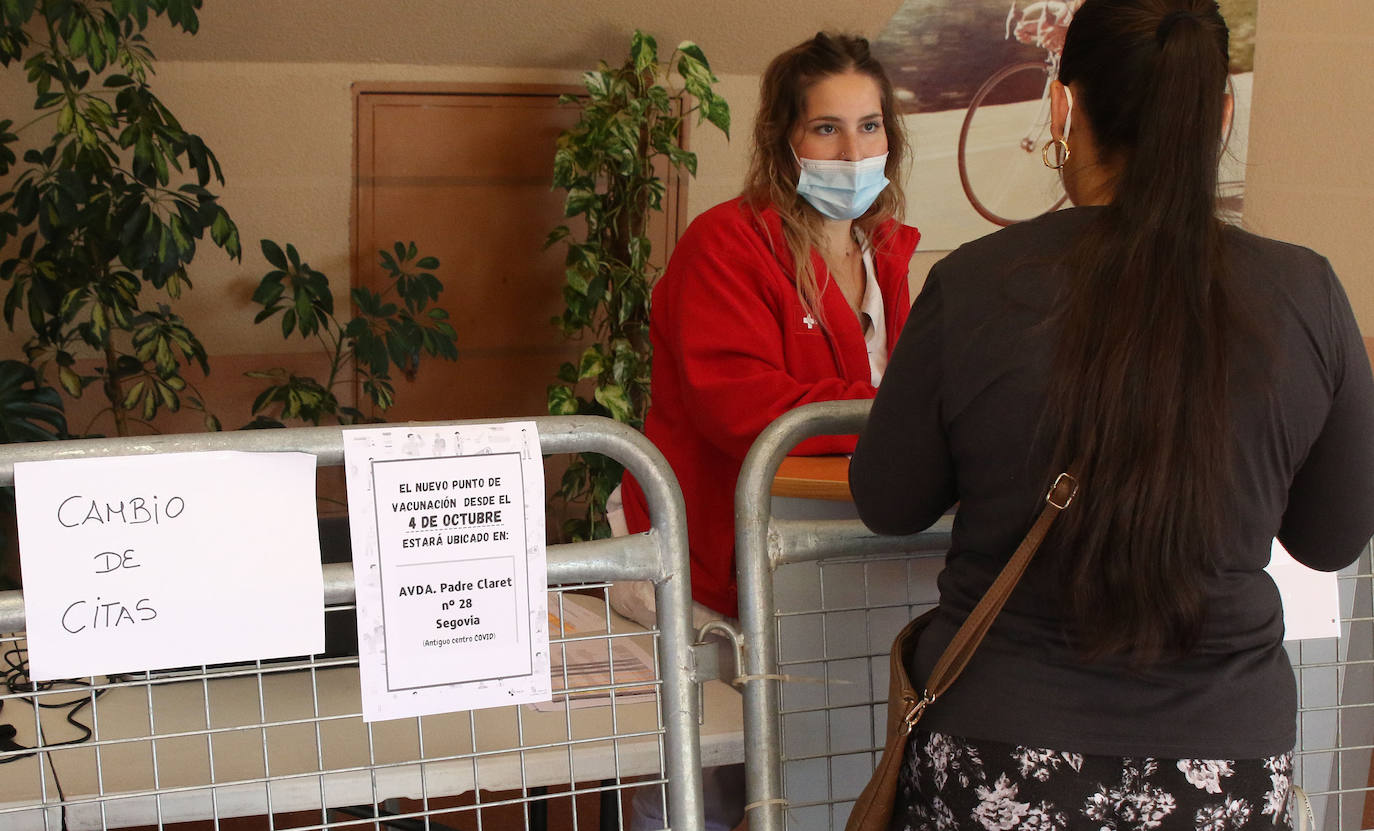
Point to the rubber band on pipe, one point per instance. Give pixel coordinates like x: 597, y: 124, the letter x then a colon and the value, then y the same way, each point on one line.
x: 740, y: 680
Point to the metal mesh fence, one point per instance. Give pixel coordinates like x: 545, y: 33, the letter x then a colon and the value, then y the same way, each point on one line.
x: 285, y: 741
x: 834, y: 626
x: 281, y: 744
x: 1336, y: 710
x: 829, y: 598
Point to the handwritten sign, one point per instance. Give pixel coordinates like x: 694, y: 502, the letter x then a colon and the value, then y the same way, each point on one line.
x: 449, y: 563
x: 144, y: 562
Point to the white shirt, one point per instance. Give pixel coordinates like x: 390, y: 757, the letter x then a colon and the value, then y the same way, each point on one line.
x: 871, y: 317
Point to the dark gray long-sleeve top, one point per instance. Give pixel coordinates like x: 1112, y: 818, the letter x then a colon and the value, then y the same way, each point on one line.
x: 956, y: 420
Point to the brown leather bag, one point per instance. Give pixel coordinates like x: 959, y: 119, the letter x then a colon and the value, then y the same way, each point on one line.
x: 873, y: 810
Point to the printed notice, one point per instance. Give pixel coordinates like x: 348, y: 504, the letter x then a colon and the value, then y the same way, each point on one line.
x: 449, y: 563
x: 136, y: 563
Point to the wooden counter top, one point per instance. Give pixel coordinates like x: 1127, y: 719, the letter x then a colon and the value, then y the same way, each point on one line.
x: 813, y: 477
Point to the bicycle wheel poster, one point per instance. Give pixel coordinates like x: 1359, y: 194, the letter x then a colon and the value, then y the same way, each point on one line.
x: 972, y: 78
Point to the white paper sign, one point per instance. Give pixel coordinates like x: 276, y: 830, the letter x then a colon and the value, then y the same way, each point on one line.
x: 449, y: 563
x: 148, y: 562
x: 1311, y: 599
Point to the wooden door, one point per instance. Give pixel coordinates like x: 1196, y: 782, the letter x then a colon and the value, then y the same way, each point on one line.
x: 466, y: 173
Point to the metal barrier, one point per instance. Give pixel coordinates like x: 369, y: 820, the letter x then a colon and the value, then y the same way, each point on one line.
x: 821, y: 601
x: 285, y: 739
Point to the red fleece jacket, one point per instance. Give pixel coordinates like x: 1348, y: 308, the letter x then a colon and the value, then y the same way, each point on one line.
x: 733, y: 351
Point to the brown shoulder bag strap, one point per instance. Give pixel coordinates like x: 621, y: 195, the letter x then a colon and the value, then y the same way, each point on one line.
x: 956, y: 656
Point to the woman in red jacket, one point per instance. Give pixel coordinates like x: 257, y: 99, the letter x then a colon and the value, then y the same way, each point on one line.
x: 793, y: 292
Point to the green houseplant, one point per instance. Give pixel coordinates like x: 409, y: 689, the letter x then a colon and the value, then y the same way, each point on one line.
x: 29, y: 411
x: 390, y: 331
x: 631, y: 127
x: 109, y: 209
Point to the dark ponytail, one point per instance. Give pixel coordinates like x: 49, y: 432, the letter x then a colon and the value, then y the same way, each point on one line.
x: 1145, y: 326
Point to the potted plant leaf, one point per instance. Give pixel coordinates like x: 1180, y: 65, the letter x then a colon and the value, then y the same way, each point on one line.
x: 109, y: 209
x: 610, y: 163
x: 392, y: 329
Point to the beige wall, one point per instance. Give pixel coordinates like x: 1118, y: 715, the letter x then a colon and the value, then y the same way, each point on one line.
x: 1311, y: 177
x: 284, y: 135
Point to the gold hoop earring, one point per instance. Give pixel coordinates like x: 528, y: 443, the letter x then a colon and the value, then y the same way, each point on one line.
x: 1045, y: 153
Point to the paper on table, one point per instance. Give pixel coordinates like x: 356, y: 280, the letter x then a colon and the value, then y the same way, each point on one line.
x: 1311, y: 599
x: 147, y: 562
x: 588, y: 662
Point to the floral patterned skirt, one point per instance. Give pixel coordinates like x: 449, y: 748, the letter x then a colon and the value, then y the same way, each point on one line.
x: 949, y: 783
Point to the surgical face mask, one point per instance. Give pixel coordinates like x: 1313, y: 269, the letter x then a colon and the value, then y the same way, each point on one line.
x: 841, y: 189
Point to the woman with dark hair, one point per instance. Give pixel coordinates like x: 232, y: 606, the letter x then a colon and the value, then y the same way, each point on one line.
x: 788, y: 294
x: 1210, y: 391
x: 791, y: 293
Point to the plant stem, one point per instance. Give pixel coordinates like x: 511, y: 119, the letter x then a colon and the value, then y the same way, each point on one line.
x: 46, y: 114
x: 336, y: 350
x: 94, y: 419
x: 113, y: 390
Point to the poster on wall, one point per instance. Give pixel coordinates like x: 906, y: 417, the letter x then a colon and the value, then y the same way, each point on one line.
x: 447, y: 525
x: 972, y: 79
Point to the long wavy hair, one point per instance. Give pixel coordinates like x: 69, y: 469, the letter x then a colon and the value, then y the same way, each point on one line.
x: 1146, y: 330
x: 773, y: 168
